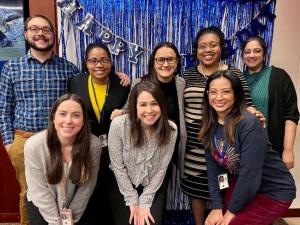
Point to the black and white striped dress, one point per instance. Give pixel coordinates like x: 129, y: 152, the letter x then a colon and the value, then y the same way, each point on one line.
x: 195, y: 183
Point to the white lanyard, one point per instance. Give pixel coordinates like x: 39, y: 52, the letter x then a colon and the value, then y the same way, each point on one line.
x: 63, y: 185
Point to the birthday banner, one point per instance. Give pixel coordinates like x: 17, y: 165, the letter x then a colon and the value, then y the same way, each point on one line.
x: 132, y: 28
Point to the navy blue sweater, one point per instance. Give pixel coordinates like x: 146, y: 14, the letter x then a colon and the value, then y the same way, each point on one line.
x: 256, y: 166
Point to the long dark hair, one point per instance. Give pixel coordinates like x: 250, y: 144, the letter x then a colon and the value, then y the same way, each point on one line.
x: 88, y: 49
x: 152, y: 75
x: 211, y: 30
x: 210, y: 117
x: 162, y: 125
x: 80, y: 171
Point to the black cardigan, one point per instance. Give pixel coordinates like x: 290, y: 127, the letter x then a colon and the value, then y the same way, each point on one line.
x: 282, y: 106
x: 117, y: 96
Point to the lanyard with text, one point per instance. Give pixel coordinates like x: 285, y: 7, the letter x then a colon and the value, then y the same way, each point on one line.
x: 220, y: 151
x: 102, y: 137
x: 220, y: 156
x: 66, y: 217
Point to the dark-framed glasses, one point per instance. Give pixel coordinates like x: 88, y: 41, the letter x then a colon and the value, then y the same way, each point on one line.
x: 103, y: 61
x: 211, y: 45
x: 162, y: 60
x: 36, y: 29
x: 224, y: 92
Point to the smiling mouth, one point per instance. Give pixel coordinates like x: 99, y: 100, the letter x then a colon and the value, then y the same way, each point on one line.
x: 149, y: 117
x: 220, y: 104
x: 68, y: 128
x: 251, y: 60
x: 41, y: 38
x: 208, y: 57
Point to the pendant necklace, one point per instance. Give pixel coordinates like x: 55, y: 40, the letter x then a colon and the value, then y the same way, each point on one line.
x: 205, y: 74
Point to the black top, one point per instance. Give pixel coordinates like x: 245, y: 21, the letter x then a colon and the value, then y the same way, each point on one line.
x: 254, y: 163
x: 116, y: 98
x: 282, y: 106
x: 170, y: 92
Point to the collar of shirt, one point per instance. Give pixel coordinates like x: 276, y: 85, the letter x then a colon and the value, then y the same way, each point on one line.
x: 53, y: 57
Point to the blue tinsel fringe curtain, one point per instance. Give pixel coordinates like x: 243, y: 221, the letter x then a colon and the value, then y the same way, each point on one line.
x: 148, y: 22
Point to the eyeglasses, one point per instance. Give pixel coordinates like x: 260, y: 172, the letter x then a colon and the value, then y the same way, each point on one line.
x: 103, y: 61
x: 223, y: 93
x: 255, y: 51
x: 211, y: 45
x: 36, y: 29
x: 161, y: 60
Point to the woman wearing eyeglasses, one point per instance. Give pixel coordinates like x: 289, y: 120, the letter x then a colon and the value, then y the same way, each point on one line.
x: 274, y: 94
x: 209, y: 45
x: 248, y: 182
x: 102, y: 92
x: 164, y: 68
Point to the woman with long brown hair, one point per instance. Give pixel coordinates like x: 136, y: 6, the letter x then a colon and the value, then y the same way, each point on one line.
x: 141, y: 144
x: 61, y: 164
x: 164, y: 69
x: 248, y: 182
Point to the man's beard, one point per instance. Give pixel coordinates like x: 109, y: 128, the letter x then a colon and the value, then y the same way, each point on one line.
x: 32, y: 44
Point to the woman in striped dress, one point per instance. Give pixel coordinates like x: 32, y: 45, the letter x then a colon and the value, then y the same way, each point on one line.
x: 210, y: 47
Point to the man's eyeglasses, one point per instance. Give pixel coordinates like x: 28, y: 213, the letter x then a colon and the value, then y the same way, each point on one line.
x: 211, y: 45
x: 161, y: 60
x: 103, y: 61
x: 35, y: 29
x: 223, y: 93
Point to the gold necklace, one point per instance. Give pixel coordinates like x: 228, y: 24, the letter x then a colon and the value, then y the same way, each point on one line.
x: 205, y: 74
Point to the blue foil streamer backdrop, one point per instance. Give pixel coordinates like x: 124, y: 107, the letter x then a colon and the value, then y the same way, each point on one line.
x: 148, y: 22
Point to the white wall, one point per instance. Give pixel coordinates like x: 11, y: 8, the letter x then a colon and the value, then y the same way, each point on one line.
x: 286, y: 54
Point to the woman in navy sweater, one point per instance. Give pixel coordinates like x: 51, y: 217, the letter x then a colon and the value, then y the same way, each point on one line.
x: 248, y: 182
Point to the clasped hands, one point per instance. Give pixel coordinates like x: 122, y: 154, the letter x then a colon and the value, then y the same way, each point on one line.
x: 140, y: 215
x: 216, y: 217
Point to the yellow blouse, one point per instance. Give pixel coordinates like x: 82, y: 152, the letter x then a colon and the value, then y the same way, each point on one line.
x: 97, y: 93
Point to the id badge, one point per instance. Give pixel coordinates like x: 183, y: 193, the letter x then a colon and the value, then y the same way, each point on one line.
x: 103, y: 139
x: 66, y: 217
x: 223, y: 181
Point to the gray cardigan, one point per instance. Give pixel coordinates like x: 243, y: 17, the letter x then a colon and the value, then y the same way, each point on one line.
x: 47, y: 197
x: 146, y: 165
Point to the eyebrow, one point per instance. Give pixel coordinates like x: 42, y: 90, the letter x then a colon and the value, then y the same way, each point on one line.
x: 253, y: 48
x: 62, y: 110
x: 209, y: 42
x: 147, y: 102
